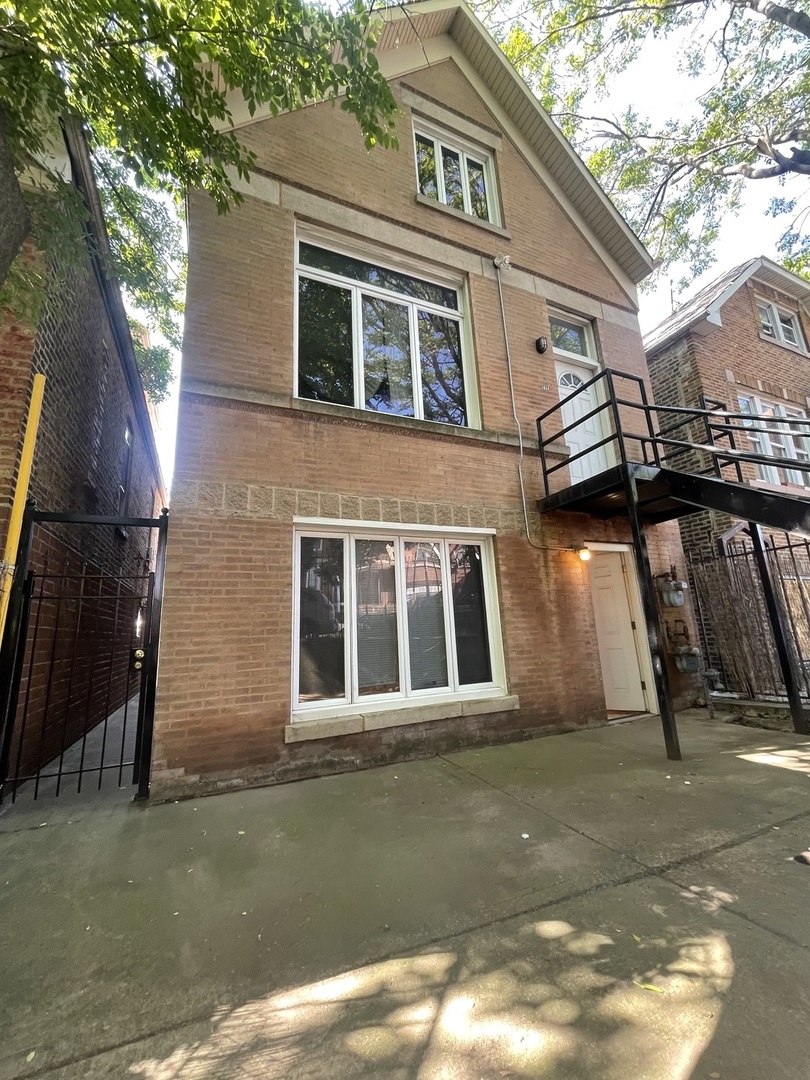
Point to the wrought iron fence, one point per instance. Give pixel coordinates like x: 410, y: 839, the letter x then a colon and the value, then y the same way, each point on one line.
x: 735, y: 626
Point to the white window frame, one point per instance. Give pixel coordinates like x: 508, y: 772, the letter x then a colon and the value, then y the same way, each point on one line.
x: 352, y: 701
x: 367, y: 253
x: 591, y: 359
x: 774, y: 314
x: 464, y: 149
x: 764, y: 443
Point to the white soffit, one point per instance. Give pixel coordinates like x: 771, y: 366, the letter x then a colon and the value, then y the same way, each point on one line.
x: 416, y: 23
x: 413, y: 29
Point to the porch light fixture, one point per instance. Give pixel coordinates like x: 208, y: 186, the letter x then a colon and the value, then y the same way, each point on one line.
x: 583, y: 551
x: 541, y: 344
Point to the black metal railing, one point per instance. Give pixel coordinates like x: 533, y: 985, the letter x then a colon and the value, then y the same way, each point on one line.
x: 651, y: 440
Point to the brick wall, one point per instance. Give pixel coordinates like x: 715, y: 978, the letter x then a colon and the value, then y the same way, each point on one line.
x: 730, y: 361
x: 77, y: 467
x: 251, y: 457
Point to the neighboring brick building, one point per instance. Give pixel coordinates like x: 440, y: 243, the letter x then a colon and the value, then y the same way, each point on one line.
x: 741, y: 341
x: 95, y: 454
x: 349, y: 576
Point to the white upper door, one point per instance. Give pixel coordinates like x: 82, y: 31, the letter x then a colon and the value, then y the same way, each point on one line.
x: 570, y: 377
x: 618, y: 656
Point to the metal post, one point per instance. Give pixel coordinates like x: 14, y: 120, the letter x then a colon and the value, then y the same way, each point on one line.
x: 14, y: 629
x: 801, y: 721
x: 145, y: 755
x: 543, y: 462
x: 656, y: 635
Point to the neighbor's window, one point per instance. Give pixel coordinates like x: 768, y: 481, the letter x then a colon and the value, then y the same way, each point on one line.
x: 378, y: 339
x: 456, y: 175
x: 779, y: 324
x: 784, y: 438
x: 126, y: 468
x: 573, y: 336
x: 385, y: 617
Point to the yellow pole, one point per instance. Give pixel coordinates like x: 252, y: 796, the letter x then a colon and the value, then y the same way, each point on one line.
x: 20, y: 496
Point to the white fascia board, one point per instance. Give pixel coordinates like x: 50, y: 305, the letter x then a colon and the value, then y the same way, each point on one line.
x: 728, y: 292
x: 464, y: 13
x: 398, y: 63
x: 800, y: 288
x: 548, y: 181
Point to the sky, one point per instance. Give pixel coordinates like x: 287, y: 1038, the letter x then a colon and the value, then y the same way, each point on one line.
x: 657, y: 89
x: 654, y: 85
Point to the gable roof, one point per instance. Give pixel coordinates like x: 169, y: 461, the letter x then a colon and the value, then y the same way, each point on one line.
x: 415, y: 24
x: 704, y: 307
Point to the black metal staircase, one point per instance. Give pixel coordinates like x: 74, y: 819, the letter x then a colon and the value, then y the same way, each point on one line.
x: 664, y: 462
x: 675, y: 475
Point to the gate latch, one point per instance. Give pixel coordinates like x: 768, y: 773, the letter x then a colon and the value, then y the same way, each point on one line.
x: 137, y: 658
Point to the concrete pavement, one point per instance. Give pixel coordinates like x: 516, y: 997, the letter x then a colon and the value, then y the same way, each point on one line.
x: 570, y: 907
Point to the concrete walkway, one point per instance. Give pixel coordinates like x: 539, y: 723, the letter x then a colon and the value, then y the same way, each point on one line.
x: 570, y: 907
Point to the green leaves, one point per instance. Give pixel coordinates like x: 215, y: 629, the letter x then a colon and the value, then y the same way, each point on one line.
x: 152, y: 83
x: 744, y: 64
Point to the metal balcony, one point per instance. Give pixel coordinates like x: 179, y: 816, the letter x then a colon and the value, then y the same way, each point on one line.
x: 678, y: 460
x: 665, y: 461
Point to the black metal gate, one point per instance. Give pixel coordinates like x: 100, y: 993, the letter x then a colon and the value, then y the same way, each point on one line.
x: 78, y: 665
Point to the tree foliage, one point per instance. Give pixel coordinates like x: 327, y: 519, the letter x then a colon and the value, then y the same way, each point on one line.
x: 149, y: 81
x: 746, y: 67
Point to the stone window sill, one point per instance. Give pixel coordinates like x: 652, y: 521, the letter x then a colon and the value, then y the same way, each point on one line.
x: 353, y: 723
x: 795, y: 349
x: 430, y: 427
x: 779, y: 489
x: 434, y: 204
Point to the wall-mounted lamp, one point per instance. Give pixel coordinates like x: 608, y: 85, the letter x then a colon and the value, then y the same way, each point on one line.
x: 541, y: 344
x: 583, y: 551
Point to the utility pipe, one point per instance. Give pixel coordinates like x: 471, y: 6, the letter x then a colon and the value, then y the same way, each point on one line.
x: 20, y: 495
x: 502, y: 262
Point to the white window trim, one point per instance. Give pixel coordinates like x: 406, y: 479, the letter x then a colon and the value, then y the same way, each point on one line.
x: 352, y: 703
x: 462, y: 146
x: 592, y: 359
x: 769, y: 474
x: 371, y: 253
x: 774, y: 311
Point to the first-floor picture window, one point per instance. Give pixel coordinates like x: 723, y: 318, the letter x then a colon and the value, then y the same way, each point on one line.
x: 390, y: 616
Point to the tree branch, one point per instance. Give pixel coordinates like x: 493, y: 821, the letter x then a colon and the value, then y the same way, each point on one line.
x: 795, y: 20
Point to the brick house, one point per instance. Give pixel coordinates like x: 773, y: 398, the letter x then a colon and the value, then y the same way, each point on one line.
x: 357, y: 570
x: 741, y: 341
x: 96, y: 455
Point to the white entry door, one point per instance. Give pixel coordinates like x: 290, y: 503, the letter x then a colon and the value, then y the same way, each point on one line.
x: 614, y: 633
x: 570, y: 377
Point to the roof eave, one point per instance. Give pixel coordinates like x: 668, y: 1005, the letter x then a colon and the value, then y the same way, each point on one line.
x: 635, y: 260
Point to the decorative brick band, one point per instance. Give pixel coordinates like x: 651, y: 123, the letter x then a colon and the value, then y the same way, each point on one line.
x: 283, y: 504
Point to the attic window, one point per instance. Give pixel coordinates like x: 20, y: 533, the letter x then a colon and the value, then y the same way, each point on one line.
x: 455, y: 173
x: 779, y: 324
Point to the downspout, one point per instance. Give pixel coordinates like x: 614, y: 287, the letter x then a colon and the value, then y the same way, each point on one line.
x: 20, y: 495
x: 502, y: 262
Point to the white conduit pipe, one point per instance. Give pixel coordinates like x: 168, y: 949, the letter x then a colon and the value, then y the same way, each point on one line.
x: 502, y: 262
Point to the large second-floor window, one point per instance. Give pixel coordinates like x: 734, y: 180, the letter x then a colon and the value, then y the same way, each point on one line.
x: 375, y: 338
x: 784, y: 438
